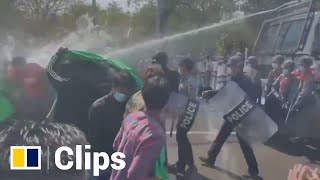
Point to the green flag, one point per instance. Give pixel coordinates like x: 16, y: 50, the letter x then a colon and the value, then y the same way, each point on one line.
x: 160, y: 169
x: 117, y: 64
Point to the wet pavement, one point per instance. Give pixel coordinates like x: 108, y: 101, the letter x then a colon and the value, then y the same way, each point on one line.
x: 231, y: 164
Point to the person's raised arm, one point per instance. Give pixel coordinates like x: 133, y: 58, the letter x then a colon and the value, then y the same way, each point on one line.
x: 56, y: 79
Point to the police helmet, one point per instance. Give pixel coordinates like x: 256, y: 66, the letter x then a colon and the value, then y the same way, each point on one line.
x: 235, y: 61
x: 253, y: 62
x: 288, y: 64
x: 278, y: 59
x: 305, y: 61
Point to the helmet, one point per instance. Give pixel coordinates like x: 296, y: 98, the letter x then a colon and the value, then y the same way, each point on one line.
x: 241, y: 55
x: 278, y: 59
x: 253, y: 61
x: 235, y: 61
x: 305, y: 61
x: 288, y: 64
x: 160, y: 58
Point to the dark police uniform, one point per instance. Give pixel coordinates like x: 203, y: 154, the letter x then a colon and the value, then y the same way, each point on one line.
x: 246, y: 84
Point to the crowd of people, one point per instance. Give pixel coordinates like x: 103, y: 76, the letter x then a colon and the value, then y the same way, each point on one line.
x: 131, y: 121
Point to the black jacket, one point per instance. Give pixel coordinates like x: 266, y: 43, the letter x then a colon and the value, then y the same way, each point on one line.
x: 105, y: 119
x: 247, y: 86
x: 173, y: 78
x: 258, y: 88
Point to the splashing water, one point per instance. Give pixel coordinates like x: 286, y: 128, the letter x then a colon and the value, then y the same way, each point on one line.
x: 174, y: 45
x: 87, y: 37
x: 7, y: 48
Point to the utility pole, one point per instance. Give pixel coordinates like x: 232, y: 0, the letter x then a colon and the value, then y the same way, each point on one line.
x: 94, y: 12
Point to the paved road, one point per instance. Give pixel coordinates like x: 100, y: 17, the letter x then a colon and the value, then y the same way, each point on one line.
x: 273, y: 165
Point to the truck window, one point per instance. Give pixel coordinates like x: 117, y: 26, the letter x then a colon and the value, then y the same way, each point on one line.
x: 316, y: 41
x: 289, y: 35
x: 267, y: 38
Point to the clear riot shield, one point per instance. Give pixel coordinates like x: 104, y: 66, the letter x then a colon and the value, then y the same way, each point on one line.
x: 251, y: 123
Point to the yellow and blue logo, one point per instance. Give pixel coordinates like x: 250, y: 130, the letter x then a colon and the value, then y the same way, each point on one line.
x: 25, y: 157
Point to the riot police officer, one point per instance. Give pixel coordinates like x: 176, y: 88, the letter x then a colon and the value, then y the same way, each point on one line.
x: 306, y: 78
x: 270, y: 108
x: 235, y: 67
x: 188, y: 86
x: 284, y: 89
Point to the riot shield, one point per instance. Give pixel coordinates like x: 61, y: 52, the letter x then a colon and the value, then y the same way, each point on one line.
x: 300, y: 136
x: 306, y: 122
x: 182, y: 111
x: 229, y: 104
x: 251, y: 123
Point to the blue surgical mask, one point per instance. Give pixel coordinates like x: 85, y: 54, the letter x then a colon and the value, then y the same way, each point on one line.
x: 120, y: 97
x: 285, y: 71
x: 275, y: 65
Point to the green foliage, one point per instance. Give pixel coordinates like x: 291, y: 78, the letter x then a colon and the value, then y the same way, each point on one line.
x: 54, y: 18
x: 252, y: 6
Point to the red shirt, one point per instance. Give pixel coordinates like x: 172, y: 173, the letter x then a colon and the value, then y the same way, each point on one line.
x: 301, y: 75
x: 141, y: 138
x: 31, y: 78
x: 283, y: 85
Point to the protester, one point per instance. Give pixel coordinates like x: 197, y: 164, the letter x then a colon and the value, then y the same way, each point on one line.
x: 172, y: 76
x: 188, y: 87
x: 136, y: 103
x: 76, y: 89
x: 106, y: 115
x: 306, y: 79
x: 284, y: 89
x: 142, y: 136
x: 49, y: 136
x: 32, y: 96
x: 235, y: 69
x: 252, y: 71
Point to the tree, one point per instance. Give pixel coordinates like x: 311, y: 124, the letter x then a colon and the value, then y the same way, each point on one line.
x: 143, y: 23
x: 185, y: 14
x: 253, y: 6
x: 42, y: 10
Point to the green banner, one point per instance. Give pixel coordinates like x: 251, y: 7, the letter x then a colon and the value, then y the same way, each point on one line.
x: 87, y: 56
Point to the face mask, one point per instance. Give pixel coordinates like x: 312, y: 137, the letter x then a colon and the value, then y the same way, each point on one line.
x: 285, y: 71
x: 120, y: 97
x: 275, y: 66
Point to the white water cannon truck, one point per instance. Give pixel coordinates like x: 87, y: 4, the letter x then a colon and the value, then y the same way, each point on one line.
x: 294, y: 30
